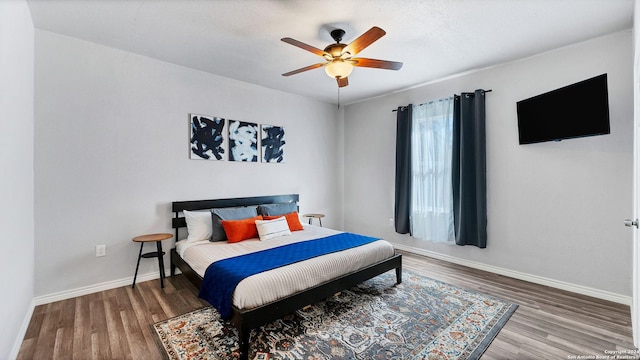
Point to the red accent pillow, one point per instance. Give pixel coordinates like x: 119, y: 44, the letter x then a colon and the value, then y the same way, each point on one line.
x: 293, y: 220
x: 238, y: 230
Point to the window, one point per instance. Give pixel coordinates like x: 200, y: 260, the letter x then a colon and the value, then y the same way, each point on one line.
x: 431, y: 152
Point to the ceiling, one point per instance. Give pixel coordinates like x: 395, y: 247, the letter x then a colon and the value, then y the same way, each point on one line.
x: 241, y: 39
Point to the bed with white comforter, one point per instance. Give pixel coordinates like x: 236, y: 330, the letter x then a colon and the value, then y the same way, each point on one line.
x: 274, y: 284
x: 269, y: 295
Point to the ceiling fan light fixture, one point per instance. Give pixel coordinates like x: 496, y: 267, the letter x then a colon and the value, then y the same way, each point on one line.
x: 338, y: 69
x: 340, y: 58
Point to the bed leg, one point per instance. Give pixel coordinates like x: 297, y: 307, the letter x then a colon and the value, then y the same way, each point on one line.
x: 173, y: 266
x: 243, y: 338
x: 399, y: 275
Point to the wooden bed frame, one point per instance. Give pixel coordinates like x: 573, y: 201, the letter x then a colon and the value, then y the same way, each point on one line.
x: 245, y: 320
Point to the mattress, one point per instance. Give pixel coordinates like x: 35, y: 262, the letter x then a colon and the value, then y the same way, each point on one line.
x: 275, y: 284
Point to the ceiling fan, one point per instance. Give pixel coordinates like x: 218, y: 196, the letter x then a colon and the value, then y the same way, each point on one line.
x: 340, y: 58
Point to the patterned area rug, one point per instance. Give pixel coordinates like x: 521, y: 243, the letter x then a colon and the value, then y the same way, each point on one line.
x: 419, y: 319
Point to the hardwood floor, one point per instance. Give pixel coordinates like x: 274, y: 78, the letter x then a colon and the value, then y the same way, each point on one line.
x: 549, y: 323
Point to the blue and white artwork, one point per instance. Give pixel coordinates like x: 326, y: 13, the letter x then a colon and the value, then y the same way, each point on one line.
x: 243, y: 141
x: 208, y: 138
x: 273, y: 144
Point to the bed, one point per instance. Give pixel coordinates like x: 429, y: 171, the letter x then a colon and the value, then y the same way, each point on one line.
x: 248, y: 313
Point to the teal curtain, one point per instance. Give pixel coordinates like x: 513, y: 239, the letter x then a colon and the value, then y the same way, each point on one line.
x: 469, y: 166
x: 402, y: 206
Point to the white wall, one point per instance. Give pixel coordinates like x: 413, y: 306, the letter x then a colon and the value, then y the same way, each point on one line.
x: 555, y: 210
x: 16, y: 179
x: 112, y: 152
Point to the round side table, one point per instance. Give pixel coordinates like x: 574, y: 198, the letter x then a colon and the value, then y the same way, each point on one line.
x: 157, y: 238
x: 314, y: 216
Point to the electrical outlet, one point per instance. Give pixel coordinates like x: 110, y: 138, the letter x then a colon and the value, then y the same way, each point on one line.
x: 391, y: 222
x: 101, y: 250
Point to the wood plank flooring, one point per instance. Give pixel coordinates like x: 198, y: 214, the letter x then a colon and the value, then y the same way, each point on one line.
x: 549, y: 324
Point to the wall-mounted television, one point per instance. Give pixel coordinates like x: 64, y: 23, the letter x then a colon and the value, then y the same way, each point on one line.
x: 577, y: 110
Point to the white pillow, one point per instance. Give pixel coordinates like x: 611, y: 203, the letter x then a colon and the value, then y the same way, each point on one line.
x: 199, y: 226
x: 269, y: 229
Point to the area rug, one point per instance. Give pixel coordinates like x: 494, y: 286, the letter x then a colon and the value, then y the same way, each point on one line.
x: 421, y: 318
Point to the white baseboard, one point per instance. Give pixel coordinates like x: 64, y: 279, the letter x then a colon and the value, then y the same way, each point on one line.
x: 108, y: 285
x: 23, y: 331
x: 584, y: 290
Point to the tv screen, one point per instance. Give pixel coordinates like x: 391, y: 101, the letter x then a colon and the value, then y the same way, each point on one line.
x: 577, y: 110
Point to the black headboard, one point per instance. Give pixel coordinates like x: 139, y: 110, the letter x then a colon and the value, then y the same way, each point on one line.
x: 178, y: 206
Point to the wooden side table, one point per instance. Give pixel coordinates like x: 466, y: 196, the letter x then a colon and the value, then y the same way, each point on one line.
x: 159, y: 253
x: 314, y: 216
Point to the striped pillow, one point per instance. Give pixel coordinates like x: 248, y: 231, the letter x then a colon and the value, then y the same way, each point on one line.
x: 269, y: 229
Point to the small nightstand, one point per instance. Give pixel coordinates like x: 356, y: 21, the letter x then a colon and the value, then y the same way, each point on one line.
x: 314, y: 216
x: 157, y: 238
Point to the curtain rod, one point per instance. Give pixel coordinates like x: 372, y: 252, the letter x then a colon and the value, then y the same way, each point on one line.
x: 394, y: 110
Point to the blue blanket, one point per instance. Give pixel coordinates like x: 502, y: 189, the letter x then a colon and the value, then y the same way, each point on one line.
x: 222, y: 277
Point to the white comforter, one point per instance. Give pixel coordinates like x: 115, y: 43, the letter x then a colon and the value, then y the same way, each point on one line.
x: 274, y: 284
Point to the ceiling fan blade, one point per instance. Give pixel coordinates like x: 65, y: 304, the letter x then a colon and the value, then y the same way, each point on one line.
x: 342, y: 82
x: 310, y: 67
x: 364, y: 40
x: 375, y: 63
x: 304, y: 46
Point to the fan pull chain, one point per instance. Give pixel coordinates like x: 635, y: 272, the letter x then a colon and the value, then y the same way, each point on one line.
x: 338, y: 97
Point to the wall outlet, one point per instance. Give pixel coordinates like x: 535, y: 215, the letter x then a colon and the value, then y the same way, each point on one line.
x: 101, y: 250
x: 391, y: 222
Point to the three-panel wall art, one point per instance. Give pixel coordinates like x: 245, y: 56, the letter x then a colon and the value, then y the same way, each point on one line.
x: 215, y: 138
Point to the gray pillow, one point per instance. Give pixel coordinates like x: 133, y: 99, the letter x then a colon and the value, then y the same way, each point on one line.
x: 277, y: 209
x: 237, y: 213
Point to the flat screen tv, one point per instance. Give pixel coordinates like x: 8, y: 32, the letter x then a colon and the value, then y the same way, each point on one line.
x: 577, y: 110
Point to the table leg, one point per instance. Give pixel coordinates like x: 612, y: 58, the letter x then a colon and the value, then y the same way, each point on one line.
x: 160, y: 263
x: 137, y: 266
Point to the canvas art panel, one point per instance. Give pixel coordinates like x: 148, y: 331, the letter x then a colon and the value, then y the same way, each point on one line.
x: 273, y: 144
x: 208, y: 137
x: 243, y: 141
